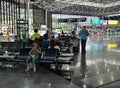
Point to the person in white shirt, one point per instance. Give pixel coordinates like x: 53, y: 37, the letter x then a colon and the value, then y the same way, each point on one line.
x: 54, y: 45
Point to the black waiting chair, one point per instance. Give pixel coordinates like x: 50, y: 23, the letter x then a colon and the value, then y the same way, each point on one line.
x: 23, y: 53
x: 49, y: 55
x: 11, y: 46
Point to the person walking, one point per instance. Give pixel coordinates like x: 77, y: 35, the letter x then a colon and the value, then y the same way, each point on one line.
x: 83, y: 36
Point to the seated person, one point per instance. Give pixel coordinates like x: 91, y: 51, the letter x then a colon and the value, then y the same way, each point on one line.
x: 39, y: 40
x: 24, y: 39
x: 36, y: 35
x: 58, y: 38
x: 62, y: 37
x: 46, y: 40
x: 58, y: 43
x: 34, y: 55
x: 73, y: 34
x: 62, y: 42
x: 67, y: 39
x: 16, y: 39
x: 54, y: 45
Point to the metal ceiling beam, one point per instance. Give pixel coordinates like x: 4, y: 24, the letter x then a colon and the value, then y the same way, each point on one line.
x: 97, y: 7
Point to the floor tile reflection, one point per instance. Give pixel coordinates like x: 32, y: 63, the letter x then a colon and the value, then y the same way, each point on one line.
x: 100, y: 65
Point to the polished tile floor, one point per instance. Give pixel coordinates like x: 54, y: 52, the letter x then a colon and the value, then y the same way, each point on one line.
x: 98, y: 68
x: 10, y: 78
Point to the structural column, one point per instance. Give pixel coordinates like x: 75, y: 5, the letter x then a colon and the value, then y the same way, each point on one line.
x: 28, y: 8
x: 41, y: 16
x: 49, y: 20
x: 46, y: 17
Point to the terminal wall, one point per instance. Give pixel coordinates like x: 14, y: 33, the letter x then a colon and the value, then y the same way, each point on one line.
x: 39, y: 17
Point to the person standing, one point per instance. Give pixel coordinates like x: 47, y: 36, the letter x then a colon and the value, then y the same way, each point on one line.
x: 83, y: 36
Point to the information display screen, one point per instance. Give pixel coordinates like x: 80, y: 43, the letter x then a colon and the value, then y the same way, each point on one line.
x: 32, y: 0
x: 112, y: 45
x: 100, y: 21
x: 112, y: 22
x: 71, y: 20
x: 105, y: 22
x: 94, y: 21
x: 82, y: 19
x: 62, y: 20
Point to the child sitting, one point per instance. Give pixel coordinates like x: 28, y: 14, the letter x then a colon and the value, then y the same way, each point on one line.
x: 34, y: 55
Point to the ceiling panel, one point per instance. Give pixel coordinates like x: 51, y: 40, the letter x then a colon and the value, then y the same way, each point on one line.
x: 93, y: 7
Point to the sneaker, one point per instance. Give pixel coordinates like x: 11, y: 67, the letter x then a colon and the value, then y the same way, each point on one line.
x: 34, y: 69
x: 27, y: 69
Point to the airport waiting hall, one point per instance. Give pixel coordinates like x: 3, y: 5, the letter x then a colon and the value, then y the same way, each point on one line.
x: 55, y: 32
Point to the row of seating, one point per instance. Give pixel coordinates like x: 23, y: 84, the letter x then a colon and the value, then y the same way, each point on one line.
x: 16, y: 46
x: 20, y: 51
x: 49, y: 56
x: 13, y: 46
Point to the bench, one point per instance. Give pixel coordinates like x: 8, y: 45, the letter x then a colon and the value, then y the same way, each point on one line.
x: 22, y: 55
x: 11, y: 46
x: 51, y: 56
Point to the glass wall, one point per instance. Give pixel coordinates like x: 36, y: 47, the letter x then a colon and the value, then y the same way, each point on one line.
x: 60, y: 22
x: 10, y: 12
x: 67, y: 23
